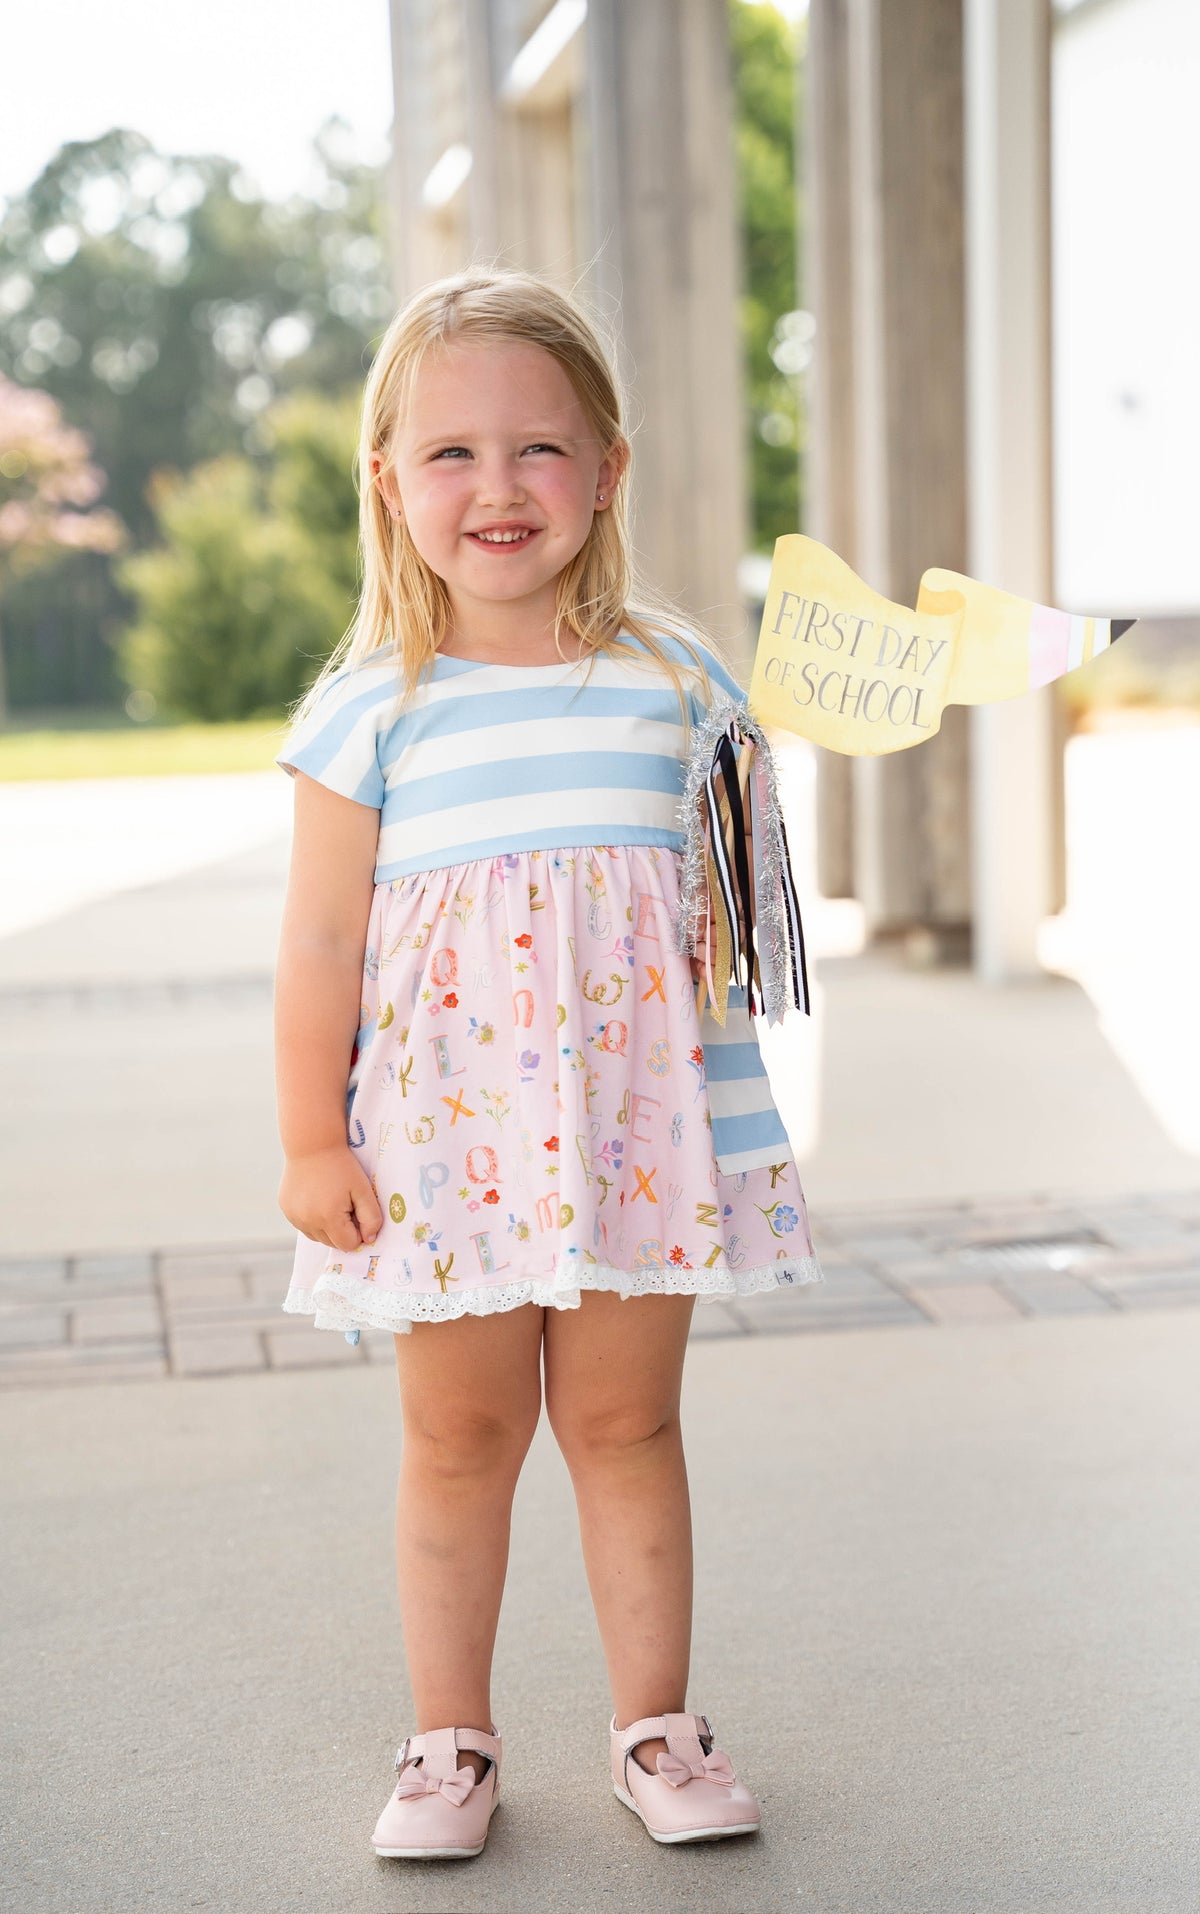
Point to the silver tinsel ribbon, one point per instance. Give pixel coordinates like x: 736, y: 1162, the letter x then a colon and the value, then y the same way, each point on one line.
x: 782, y: 968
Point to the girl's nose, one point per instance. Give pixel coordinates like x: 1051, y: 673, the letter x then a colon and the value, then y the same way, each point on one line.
x: 500, y: 485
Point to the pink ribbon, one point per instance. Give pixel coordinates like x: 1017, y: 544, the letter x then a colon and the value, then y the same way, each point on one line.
x: 713, y: 1767
x: 456, y: 1786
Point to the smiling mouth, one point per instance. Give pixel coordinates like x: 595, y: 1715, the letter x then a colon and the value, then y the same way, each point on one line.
x: 502, y: 542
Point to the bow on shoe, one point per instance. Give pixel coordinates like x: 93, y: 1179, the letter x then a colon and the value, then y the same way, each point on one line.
x: 713, y: 1767
x: 456, y: 1786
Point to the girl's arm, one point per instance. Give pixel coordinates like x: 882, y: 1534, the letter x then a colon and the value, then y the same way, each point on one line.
x: 324, y: 1192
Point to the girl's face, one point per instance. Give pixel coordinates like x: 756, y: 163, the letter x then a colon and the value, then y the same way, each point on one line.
x: 495, y: 439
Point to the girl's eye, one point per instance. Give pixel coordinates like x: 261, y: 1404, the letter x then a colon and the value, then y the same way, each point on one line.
x: 540, y: 445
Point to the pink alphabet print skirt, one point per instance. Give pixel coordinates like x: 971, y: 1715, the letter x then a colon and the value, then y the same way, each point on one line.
x: 528, y: 1099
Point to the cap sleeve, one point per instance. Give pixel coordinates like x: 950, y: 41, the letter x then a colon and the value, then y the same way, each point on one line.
x: 338, y: 741
x: 723, y: 684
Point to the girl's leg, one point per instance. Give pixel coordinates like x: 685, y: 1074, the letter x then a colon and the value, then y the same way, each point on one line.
x: 614, y: 1367
x: 470, y: 1395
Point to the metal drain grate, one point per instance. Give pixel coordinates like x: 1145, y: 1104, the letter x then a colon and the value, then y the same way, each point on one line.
x: 1036, y: 1252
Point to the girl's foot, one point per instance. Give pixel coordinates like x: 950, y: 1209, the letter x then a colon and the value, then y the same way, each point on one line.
x: 646, y: 1752
x: 694, y: 1795
x: 440, y: 1808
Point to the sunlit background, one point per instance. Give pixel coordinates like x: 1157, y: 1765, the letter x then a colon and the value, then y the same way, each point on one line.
x: 201, y: 241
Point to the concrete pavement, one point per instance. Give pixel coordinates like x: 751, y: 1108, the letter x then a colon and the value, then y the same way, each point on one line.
x: 945, y: 1625
x: 67, y: 841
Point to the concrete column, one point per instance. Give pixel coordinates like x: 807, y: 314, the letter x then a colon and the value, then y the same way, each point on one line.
x: 1017, y: 745
x: 664, y: 265
x: 826, y: 290
x: 906, y: 138
x: 430, y: 199
x: 538, y: 88
x: 483, y: 186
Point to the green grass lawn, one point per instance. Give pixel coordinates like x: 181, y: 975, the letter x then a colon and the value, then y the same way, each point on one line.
x: 133, y: 751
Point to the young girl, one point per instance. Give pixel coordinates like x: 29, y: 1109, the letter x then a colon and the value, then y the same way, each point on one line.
x: 493, y: 1078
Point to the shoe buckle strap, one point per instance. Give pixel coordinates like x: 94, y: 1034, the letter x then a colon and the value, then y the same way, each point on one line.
x: 648, y: 1729
x: 654, y: 1726
x: 474, y: 1739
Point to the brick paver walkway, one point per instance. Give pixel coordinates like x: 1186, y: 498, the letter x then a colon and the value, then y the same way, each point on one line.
x: 216, y: 1311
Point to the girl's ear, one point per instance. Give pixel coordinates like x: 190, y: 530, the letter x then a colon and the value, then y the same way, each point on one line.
x: 377, y: 478
x: 612, y: 465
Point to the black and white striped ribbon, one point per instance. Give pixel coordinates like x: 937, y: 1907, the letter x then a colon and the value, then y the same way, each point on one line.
x: 735, y: 875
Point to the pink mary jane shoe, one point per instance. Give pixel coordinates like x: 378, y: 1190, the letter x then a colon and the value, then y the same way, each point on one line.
x: 437, y: 1810
x: 694, y: 1796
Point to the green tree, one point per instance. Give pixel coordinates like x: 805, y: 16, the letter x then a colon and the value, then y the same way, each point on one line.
x: 166, y: 307
x: 254, y: 579
x: 311, y: 441
x: 765, y: 49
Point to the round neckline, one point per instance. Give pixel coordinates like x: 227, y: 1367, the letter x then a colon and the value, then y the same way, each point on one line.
x: 497, y: 664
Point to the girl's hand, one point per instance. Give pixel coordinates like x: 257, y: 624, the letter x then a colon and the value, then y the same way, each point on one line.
x: 328, y: 1197
x: 697, y: 961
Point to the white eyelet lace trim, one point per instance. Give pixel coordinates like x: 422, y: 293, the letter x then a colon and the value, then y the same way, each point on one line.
x: 346, y: 1304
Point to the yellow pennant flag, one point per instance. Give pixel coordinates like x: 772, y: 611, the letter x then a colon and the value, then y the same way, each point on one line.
x: 845, y: 667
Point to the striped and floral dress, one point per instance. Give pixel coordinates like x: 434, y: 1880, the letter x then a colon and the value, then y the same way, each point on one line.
x: 533, y: 1094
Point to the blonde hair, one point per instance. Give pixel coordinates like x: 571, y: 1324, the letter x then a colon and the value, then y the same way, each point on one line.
x: 404, y: 608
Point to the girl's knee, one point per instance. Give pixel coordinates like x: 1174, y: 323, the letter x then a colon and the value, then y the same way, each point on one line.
x: 456, y: 1436
x: 471, y: 1392
x: 455, y: 1439
x: 614, y: 1433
